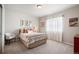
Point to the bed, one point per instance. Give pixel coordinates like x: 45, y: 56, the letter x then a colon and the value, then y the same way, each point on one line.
x: 32, y: 39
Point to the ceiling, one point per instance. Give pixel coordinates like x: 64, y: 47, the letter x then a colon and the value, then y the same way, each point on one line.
x: 32, y: 10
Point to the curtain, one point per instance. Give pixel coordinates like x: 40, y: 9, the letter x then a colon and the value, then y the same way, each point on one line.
x: 54, y: 28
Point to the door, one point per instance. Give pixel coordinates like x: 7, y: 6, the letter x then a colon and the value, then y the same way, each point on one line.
x: 0, y: 28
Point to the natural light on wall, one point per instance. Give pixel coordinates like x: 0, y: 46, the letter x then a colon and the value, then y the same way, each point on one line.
x: 54, y: 28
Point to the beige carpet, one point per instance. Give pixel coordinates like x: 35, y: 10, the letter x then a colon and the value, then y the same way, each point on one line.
x: 51, y: 47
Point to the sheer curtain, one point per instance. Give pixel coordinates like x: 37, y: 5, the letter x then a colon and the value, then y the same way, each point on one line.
x: 54, y: 28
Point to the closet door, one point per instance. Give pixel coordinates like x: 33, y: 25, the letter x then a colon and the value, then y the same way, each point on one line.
x: 0, y: 28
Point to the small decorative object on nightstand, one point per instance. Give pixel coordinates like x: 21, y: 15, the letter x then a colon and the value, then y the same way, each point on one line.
x: 76, y: 44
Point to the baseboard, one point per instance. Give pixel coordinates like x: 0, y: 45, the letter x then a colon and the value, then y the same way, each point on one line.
x: 68, y: 43
x: 64, y: 42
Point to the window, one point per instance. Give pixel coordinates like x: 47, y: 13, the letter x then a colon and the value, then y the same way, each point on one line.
x: 54, y: 28
x: 54, y: 24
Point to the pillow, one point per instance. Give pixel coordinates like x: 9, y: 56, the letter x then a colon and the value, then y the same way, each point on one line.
x: 30, y: 31
x: 23, y: 30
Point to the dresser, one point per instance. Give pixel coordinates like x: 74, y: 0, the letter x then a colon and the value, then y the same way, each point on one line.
x: 76, y: 44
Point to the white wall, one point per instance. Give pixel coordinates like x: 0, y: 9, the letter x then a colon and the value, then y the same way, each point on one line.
x: 12, y: 19
x: 68, y: 32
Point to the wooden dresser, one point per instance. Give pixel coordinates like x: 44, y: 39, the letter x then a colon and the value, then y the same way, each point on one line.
x: 76, y: 44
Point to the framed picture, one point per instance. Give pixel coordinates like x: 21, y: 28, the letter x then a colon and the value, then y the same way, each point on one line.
x: 73, y: 22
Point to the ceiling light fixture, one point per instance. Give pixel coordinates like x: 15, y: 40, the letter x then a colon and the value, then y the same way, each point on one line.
x: 39, y: 6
